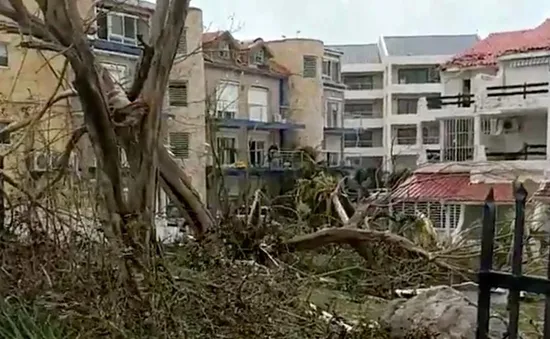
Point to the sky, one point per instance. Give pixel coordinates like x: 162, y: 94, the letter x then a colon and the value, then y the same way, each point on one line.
x: 364, y: 21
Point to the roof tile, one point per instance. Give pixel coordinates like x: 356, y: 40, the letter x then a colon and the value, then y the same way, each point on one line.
x: 486, y: 51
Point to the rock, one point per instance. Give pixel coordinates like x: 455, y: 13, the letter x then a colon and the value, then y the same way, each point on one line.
x: 442, y: 310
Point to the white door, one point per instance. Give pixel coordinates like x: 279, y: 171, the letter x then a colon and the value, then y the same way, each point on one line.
x: 257, y: 103
x: 227, y: 100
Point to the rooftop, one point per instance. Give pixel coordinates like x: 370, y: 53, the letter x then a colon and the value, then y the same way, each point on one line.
x: 485, y: 52
x: 424, y: 45
x: 358, y: 54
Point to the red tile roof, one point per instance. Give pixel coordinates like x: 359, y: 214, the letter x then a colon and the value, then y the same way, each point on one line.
x: 486, y: 51
x: 453, y: 187
x: 211, y: 36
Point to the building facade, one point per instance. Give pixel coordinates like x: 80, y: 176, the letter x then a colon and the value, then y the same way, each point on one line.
x: 384, y: 83
x: 492, y: 119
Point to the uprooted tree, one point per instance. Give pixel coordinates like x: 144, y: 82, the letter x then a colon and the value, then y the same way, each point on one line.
x: 113, y: 116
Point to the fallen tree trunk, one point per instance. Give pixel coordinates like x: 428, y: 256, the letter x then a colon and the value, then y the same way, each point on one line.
x: 361, y: 240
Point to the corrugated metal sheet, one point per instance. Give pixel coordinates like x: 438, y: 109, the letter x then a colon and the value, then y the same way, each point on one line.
x: 454, y: 187
x: 431, y: 187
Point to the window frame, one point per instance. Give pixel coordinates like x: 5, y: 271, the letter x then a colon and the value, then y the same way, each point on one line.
x: 4, y: 46
x: 309, y: 71
x: 178, y: 84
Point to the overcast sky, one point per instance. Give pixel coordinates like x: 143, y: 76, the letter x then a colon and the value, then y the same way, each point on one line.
x: 363, y: 21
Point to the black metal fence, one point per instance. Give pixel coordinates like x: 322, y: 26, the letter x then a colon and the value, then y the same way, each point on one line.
x: 515, y: 282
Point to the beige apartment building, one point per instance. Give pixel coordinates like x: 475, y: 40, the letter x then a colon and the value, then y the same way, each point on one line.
x: 30, y: 77
x: 267, y: 100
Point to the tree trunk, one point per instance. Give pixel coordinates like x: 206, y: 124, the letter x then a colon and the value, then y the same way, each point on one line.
x: 114, y: 118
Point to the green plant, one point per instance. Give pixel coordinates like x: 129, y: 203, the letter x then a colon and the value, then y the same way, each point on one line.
x: 20, y: 321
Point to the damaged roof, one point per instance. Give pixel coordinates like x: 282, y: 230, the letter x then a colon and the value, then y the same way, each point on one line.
x: 486, y: 51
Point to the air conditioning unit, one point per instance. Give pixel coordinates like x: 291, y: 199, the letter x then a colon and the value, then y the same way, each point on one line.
x: 510, y: 125
x: 41, y: 162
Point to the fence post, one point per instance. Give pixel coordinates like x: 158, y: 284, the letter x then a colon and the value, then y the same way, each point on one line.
x: 524, y: 90
x: 520, y: 195
x: 486, y: 265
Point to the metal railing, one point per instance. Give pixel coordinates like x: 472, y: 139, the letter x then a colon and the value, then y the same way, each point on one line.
x: 516, y: 282
x: 360, y: 143
x: 275, y: 159
x: 359, y: 86
x: 362, y: 115
x: 459, y: 100
x: 407, y: 141
x: 524, y: 89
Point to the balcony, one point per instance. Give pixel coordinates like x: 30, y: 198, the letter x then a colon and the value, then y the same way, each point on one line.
x: 460, y: 105
x: 258, y: 119
x: 363, y: 120
x: 526, y: 96
x: 363, y: 92
x: 339, y: 160
x: 415, y: 88
x: 266, y: 162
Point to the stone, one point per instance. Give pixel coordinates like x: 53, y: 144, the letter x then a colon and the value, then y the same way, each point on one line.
x: 442, y: 310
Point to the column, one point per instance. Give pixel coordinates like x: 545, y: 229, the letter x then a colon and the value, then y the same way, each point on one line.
x: 479, y: 152
x: 548, y: 134
x: 441, y: 140
x: 421, y: 157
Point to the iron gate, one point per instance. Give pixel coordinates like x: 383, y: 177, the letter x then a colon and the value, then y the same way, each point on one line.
x: 515, y: 282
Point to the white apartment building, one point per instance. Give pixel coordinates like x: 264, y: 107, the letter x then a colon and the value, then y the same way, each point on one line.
x: 493, y: 125
x: 384, y: 83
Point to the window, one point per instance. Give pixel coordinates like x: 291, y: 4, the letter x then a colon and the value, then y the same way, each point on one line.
x: 224, y: 50
x: 406, y: 135
x: 359, y: 82
x: 430, y: 133
x: 333, y: 158
x: 333, y: 114
x: 257, y: 153
x: 179, y: 144
x: 117, y: 27
x: 331, y: 70
x: 358, y: 139
x: 418, y: 75
x: 227, y: 150
x: 407, y: 106
x: 182, y: 46
x: 5, y: 139
x: 177, y: 92
x: 259, y: 57
x: 364, y: 110
x: 227, y: 100
x: 3, y: 54
x: 310, y: 66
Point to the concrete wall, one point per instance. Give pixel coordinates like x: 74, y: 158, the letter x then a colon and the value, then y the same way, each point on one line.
x: 191, y: 119
x: 532, y: 131
x: 214, y: 74
x: 306, y: 94
x: 28, y: 81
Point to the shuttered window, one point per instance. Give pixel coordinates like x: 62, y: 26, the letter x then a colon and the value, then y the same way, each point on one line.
x: 182, y: 46
x: 3, y: 54
x: 177, y: 92
x: 310, y: 66
x: 179, y: 144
